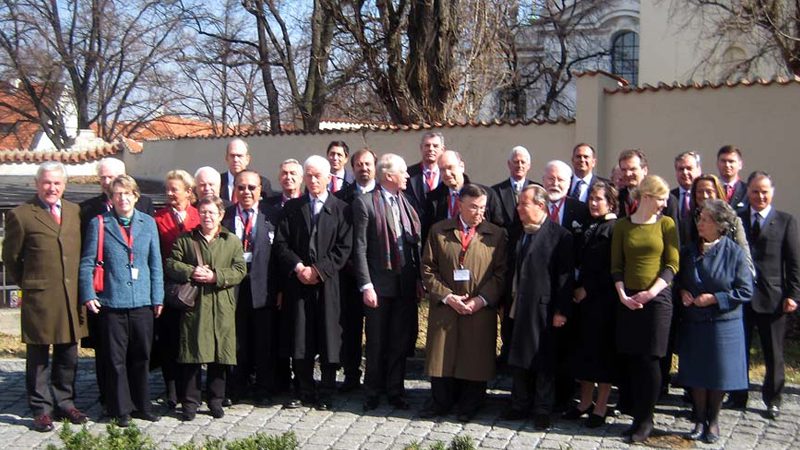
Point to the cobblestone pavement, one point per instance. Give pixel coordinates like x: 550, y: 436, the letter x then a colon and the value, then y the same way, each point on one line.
x: 348, y: 428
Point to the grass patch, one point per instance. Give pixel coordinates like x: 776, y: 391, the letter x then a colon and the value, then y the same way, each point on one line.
x: 13, y: 347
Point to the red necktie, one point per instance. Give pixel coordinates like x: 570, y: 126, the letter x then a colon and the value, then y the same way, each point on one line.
x: 429, y: 179
x: 554, y: 210
x: 452, y: 204
x: 729, y: 191
x: 55, y: 214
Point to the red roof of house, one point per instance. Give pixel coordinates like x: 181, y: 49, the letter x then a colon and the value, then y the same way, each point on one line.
x: 16, y: 130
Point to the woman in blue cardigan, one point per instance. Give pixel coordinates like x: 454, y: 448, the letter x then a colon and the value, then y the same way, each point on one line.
x: 714, y: 281
x: 132, y: 295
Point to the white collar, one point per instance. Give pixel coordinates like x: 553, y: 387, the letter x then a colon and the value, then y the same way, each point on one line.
x: 322, y: 197
x: 763, y: 213
x: 587, y: 179
x: 368, y: 188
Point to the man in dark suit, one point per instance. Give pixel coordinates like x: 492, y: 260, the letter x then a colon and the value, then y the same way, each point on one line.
x: 363, y: 162
x: 313, y: 243
x: 775, y: 247
x: 584, y: 160
x: 386, y: 262
x: 730, y: 164
x: 338, y: 154
x: 237, y: 157
x: 41, y: 252
x: 107, y: 170
x: 633, y: 168
x: 687, y: 168
x: 542, y: 302
x: 424, y: 175
x: 290, y: 178
x: 519, y: 164
x: 441, y: 203
x: 251, y: 220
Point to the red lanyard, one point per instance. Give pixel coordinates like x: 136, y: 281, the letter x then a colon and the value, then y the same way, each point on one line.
x: 466, y: 238
x: 128, y: 236
x: 248, y: 228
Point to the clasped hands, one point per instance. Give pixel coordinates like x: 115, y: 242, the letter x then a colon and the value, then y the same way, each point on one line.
x: 637, y: 300
x: 464, y: 304
x: 204, y: 275
x: 306, y: 274
x: 701, y: 300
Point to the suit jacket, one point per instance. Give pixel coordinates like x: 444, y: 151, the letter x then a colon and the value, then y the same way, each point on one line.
x: 436, y: 207
x: 368, y: 253
x: 349, y: 193
x: 349, y: 178
x: 463, y: 346
x: 120, y: 288
x: 507, y: 203
x: 776, y: 256
x: 545, y: 278
x: 739, y: 200
x: 576, y: 216
x: 327, y: 253
x: 266, y: 188
x: 43, y: 258
x: 261, y: 267
x: 95, y: 206
x: 415, y: 192
x: 594, y: 180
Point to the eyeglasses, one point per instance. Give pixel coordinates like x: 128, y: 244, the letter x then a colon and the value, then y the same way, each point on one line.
x: 248, y: 187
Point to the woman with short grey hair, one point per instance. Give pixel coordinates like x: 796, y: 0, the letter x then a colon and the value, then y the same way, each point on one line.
x: 714, y: 280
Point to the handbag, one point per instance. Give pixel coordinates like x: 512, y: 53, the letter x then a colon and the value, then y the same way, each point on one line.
x: 98, y: 274
x: 183, y: 296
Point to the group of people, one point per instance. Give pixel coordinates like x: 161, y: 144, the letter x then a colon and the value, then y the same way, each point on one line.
x: 595, y: 283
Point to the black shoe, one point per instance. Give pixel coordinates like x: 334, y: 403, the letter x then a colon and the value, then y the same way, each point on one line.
x: 697, y: 433
x: 171, y: 405
x: 187, y: 416
x: 227, y: 402
x: 642, y: 433
x: 595, y: 421
x: 465, y: 417
x: 430, y: 412
x: 628, y: 432
x: 293, y: 404
x: 574, y: 413
x: 734, y: 403
x: 514, y: 414
x: 399, y: 403
x: 712, y: 436
x: 371, y: 403
x: 123, y: 421
x: 323, y: 405
x: 149, y: 417
x: 541, y: 421
x: 773, y: 412
x: 217, y: 412
x: 350, y: 385
x: 262, y: 400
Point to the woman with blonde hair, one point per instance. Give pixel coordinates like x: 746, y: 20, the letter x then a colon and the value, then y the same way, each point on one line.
x: 644, y: 259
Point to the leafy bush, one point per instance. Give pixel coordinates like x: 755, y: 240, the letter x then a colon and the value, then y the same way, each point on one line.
x: 458, y: 443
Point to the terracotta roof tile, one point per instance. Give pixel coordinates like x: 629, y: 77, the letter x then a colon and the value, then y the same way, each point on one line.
x: 700, y: 85
x: 67, y: 157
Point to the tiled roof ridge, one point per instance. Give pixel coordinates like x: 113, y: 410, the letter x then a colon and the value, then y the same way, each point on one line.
x: 705, y: 84
x: 381, y: 127
x: 81, y: 156
x: 594, y: 73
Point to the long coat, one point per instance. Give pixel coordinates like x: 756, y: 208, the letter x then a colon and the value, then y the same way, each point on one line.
x: 459, y: 346
x: 43, y: 257
x: 120, y: 289
x: 544, y: 287
x: 328, y: 254
x: 208, y: 332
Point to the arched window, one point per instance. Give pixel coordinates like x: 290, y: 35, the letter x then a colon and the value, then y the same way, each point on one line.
x: 625, y: 56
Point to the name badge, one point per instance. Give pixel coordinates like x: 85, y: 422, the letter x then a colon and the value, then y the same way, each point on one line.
x: 248, y: 257
x: 134, y: 273
x: 461, y: 275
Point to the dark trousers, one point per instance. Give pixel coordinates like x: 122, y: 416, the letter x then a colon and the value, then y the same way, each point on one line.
x: 168, y: 334
x: 388, y: 327
x: 40, y: 378
x: 304, y: 373
x: 644, y: 382
x: 215, y: 383
x: 94, y: 341
x: 771, y: 333
x: 253, y: 345
x: 352, y: 320
x: 282, y: 365
x: 533, y: 388
x: 128, y: 336
x: 467, y: 396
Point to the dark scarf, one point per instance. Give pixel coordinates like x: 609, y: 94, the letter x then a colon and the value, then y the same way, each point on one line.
x: 408, y: 220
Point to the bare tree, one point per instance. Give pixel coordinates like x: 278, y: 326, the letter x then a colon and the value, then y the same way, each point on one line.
x: 110, y: 58
x: 769, y: 28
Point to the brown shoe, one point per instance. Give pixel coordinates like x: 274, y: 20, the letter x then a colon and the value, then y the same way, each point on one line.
x: 74, y: 416
x: 43, y: 423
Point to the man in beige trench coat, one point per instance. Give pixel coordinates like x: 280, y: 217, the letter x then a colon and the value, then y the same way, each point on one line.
x: 42, y: 251
x: 463, y: 267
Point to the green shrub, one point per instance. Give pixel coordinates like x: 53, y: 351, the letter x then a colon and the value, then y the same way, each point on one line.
x: 458, y: 443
